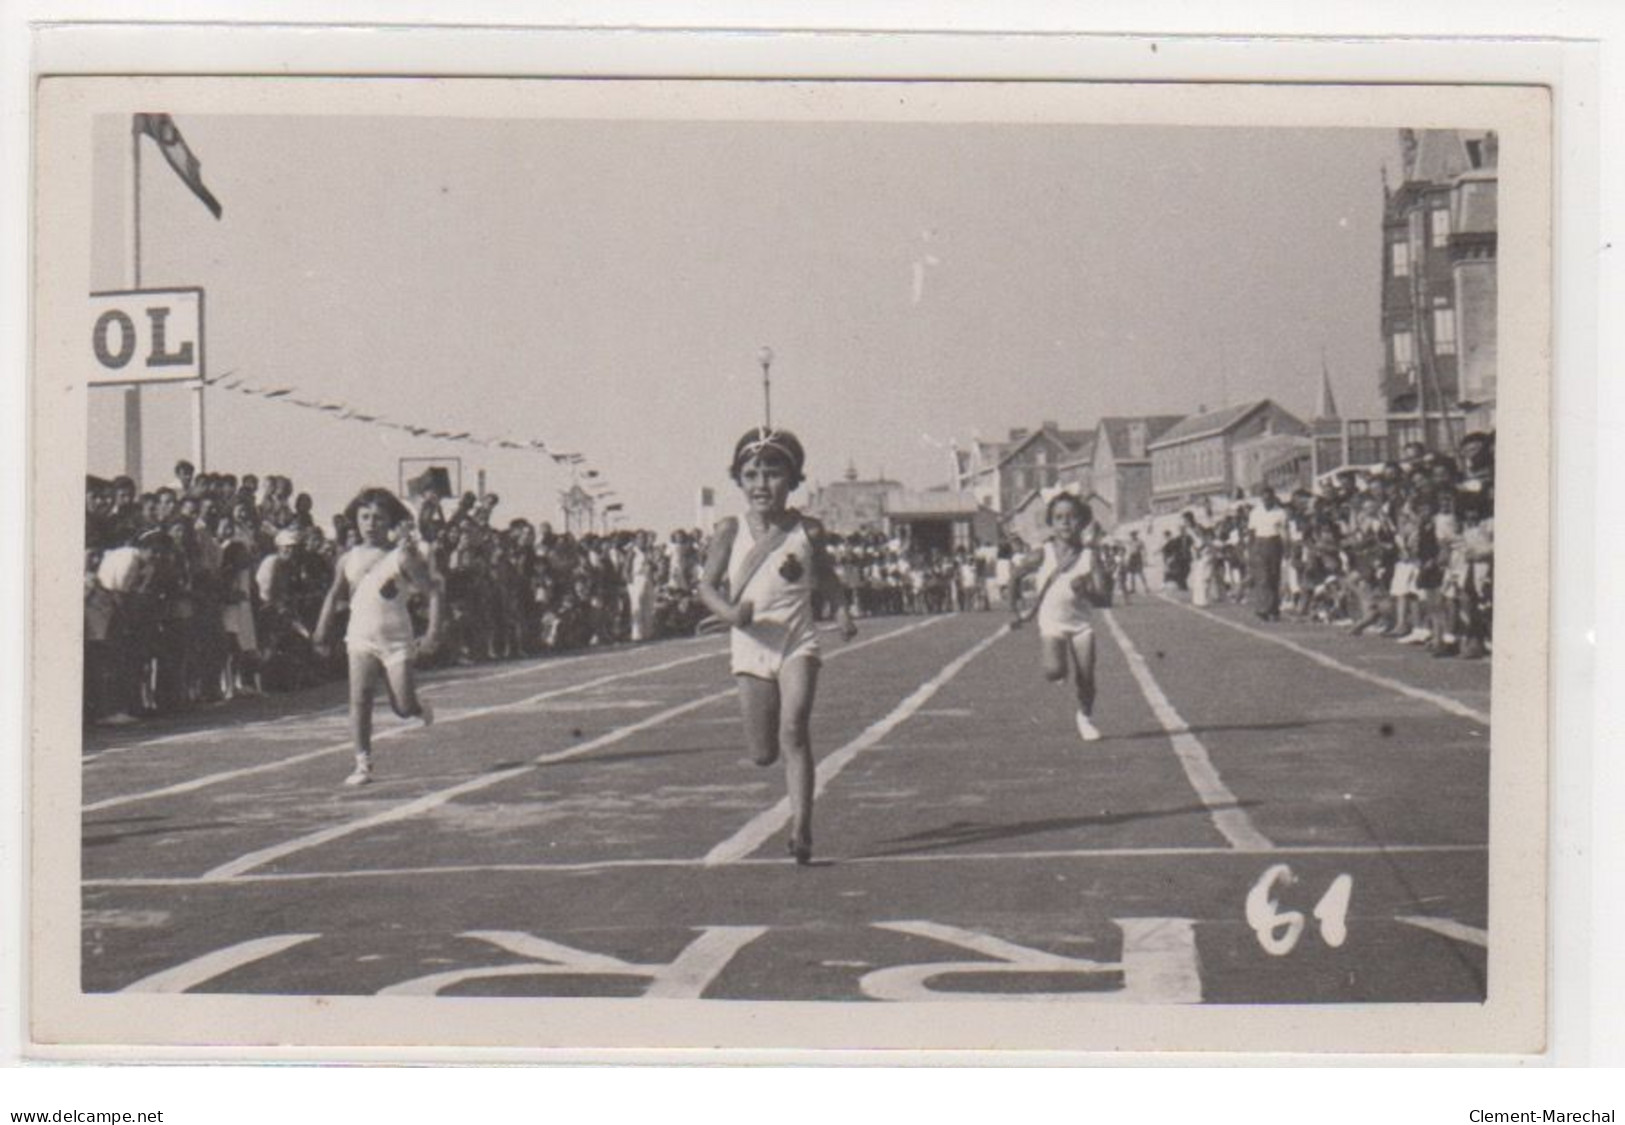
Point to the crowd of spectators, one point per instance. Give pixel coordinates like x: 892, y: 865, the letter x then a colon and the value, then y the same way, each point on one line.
x: 1404, y: 549
x: 209, y: 587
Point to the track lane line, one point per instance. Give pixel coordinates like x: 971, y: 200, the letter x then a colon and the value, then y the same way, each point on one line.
x: 434, y: 800
x: 1446, y: 927
x: 1342, y: 851
x: 1228, y: 817
x: 762, y: 827
x: 217, y: 963
x: 1443, y: 702
x: 393, y: 732
x: 431, y: 685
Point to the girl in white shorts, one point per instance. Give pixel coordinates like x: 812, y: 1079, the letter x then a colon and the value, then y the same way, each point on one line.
x: 772, y: 562
x: 377, y: 577
x: 1066, y: 577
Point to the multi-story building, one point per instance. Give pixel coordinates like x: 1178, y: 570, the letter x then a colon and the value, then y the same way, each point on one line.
x: 1196, y: 459
x: 1439, y: 288
x: 1119, y: 476
x: 1002, y: 475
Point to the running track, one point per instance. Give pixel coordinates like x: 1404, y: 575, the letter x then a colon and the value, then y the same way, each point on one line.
x: 589, y: 826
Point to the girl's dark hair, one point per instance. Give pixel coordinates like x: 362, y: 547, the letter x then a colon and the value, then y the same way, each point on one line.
x: 767, y: 445
x: 394, y: 511
x: 1084, y: 510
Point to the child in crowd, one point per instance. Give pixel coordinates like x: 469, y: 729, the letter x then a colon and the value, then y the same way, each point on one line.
x: 1066, y: 567
x: 378, y: 576
x: 772, y: 562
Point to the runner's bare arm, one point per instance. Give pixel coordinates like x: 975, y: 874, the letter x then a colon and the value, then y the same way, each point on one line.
x: 716, y: 569
x: 324, y: 621
x: 1020, y: 568
x: 828, y: 582
x: 424, y: 576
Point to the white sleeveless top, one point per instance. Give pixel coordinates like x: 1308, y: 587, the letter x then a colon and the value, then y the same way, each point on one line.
x: 1062, y: 612
x: 780, y: 592
x: 379, y: 589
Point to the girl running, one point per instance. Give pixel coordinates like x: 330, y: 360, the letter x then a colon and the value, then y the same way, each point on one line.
x: 1066, y: 578
x: 377, y: 577
x: 771, y: 570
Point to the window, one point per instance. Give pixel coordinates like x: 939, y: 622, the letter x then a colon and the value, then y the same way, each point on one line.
x: 1444, y: 331
x: 1440, y: 217
x: 1402, y: 260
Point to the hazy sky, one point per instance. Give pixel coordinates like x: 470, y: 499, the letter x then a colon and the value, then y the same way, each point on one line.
x: 605, y: 287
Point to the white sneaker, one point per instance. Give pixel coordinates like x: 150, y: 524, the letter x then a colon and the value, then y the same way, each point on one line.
x: 1416, y: 637
x: 425, y: 714
x: 1086, y: 729
x: 361, y: 776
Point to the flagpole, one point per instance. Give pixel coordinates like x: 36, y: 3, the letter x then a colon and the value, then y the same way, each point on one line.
x: 132, y: 394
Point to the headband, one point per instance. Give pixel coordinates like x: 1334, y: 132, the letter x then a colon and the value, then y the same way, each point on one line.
x: 767, y: 439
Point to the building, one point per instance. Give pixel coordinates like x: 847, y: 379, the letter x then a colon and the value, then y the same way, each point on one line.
x: 1439, y: 288
x: 1343, y: 442
x: 1119, y: 474
x: 850, y: 505
x: 1197, y: 458
x: 939, y: 520
x: 1002, y: 475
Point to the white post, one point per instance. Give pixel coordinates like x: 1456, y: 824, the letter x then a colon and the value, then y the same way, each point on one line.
x: 132, y: 395
x: 198, y: 445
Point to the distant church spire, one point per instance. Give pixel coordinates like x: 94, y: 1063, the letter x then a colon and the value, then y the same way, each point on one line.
x: 1328, y: 404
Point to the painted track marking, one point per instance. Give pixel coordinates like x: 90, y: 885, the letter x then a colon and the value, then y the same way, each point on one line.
x: 1352, y: 851
x: 1445, y: 927
x: 221, y: 961
x: 1228, y: 817
x: 439, y: 797
x: 766, y: 824
x: 393, y: 732
x: 1443, y: 702
x: 431, y: 685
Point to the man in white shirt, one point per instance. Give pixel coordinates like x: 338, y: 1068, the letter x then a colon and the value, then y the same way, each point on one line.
x: 1267, y: 526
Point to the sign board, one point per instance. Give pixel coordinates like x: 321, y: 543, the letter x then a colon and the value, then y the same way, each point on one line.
x: 443, y: 474
x: 144, y: 336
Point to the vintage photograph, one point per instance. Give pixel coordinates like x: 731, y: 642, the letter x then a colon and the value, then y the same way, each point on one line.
x: 790, y: 553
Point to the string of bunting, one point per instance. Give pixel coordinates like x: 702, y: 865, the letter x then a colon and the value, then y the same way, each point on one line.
x: 290, y: 396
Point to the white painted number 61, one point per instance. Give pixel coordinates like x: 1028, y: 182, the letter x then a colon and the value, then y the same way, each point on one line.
x: 1279, y: 930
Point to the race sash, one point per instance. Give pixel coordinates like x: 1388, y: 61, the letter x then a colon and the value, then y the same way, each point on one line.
x: 757, y: 555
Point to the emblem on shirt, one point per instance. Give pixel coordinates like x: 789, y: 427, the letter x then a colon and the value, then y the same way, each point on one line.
x: 791, y: 569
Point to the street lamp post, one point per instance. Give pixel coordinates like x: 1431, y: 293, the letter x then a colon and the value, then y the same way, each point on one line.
x: 765, y: 358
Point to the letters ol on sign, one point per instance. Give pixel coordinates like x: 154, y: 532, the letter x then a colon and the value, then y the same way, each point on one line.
x: 145, y: 336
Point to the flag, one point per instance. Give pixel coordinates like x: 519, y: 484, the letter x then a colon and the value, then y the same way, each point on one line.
x: 613, y: 507
x: 161, y: 128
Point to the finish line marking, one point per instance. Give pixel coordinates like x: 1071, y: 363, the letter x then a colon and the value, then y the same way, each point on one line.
x: 434, y: 800
x: 1351, y: 851
x: 1228, y: 817
x: 1443, y: 702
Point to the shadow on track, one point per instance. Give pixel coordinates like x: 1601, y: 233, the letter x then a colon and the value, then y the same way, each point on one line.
x: 972, y: 832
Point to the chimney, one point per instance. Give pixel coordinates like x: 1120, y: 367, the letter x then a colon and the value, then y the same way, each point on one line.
x: 1019, y: 434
